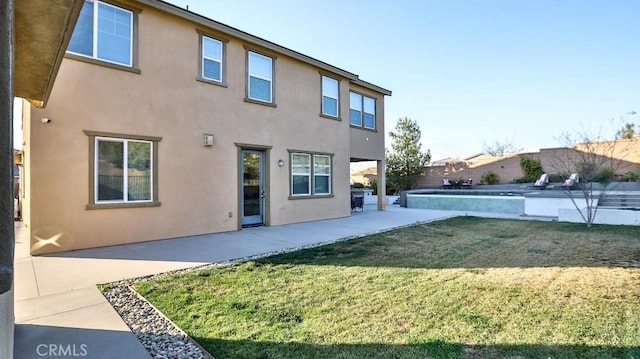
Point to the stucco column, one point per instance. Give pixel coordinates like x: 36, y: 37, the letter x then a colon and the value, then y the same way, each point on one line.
x: 7, y: 235
x: 382, y: 186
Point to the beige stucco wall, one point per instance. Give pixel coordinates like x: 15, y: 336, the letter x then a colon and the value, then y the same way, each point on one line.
x: 197, y: 185
x: 560, y: 160
x: 367, y: 144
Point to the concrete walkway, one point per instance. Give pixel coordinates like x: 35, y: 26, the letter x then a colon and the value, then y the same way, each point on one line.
x: 60, y: 312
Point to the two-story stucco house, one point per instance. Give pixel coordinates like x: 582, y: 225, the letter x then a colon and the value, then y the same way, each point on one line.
x: 163, y: 123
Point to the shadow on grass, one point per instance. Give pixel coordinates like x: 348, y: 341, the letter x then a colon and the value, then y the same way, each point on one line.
x: 222, y: 349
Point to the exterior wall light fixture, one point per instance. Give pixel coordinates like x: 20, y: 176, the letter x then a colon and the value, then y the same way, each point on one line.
x: 207, y: 139
x: 280, y: 163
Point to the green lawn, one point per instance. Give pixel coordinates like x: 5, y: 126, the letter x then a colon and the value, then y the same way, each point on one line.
x: 460, y: 288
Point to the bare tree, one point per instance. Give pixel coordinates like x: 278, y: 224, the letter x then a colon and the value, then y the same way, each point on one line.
x: 596, y: 161
x: 501, y: 148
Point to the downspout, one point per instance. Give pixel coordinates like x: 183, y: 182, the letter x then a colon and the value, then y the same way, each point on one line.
x: 7, y: 235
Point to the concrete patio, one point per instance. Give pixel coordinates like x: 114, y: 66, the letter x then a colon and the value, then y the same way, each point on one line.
x: 59, y: 309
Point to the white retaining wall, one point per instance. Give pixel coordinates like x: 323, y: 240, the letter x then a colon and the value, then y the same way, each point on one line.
x: 550, y: 206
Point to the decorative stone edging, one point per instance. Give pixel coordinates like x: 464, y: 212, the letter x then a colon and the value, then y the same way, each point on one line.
x: 159, y: 335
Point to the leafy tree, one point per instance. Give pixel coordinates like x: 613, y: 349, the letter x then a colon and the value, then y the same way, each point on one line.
x: 500, y: 148
x: 627, y: 132
x: 406, y: 160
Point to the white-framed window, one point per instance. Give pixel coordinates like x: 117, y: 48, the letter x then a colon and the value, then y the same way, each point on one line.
x: 355, y: 109
x: 362, y: 111
x: 123, y: 170
x: 321, y: 174
x: 300, y: 174
x: 310, y: 174
x: 330, y: 96
x: 260, y: 77
x: 369, y: 105
x: 212, y: 53
x: 104, y: 32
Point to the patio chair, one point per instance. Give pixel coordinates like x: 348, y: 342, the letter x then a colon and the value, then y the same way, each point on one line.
x: 357, y: 201
x: 446, y: 183
x: 572, y: 181
x: 542, y: 182
x: 467, y: 183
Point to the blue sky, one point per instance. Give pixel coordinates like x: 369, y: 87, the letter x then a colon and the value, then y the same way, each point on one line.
x: 469, y: 72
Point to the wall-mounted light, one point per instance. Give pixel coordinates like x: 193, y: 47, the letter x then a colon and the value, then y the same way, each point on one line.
x: 280, y: 163
x: 207, y: 139
x: 46, y: 120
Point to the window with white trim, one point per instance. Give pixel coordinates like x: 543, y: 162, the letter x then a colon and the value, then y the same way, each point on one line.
x: 212, y: 53
x: 123, y: 170
x: 362, y: 111
x: 300, y: 174
x: 260, y: 77
x: 369, y: 112
x: 330, y: 96
x: 355, y: 109
x: 321, y: 174
x: 104, y: 32
x: 310, y: 174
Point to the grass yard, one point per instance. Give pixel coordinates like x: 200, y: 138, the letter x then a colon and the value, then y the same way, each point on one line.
x: 460, y: 288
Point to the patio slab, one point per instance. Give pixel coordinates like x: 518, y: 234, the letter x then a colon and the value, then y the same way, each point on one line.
x: 58, y: 306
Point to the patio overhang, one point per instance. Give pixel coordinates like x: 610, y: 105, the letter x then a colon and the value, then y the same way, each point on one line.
x: 42, y: 32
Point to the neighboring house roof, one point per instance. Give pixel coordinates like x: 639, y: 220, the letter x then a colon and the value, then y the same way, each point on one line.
x: 443, y: 162
x: 481, y: 155
x: 42, y: 33
x: 210, y: 23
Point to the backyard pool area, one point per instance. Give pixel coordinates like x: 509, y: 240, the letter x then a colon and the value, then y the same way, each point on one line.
x: 620, y: 206
x: 492, y: 201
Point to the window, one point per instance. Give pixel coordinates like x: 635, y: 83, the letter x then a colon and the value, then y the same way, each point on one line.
x: 103, y: 32
x: 369, y: 112
x: 260, y: 81
x: 310, y: 174
x: 300, y: 174
x: 330, y: 96
x: 211, y: 66
x: 355, y: 109
x: 123, y: 170
x: 321, y: 174
x: 362, y: 111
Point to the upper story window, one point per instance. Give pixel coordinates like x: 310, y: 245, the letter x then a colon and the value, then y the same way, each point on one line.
x: 260, y: 77
x: 330, y: 96
x: 104, y: 32
x: 369, y: 112
x: 211, y: 59
x: 362, y: 111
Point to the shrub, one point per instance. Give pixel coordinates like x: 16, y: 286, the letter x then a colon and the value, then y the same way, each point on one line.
x: 374, y: 185
x: 631, y: 176
x: 604, y: 176
x: 357, y: 185
x: 531, y: 167
x: 490, y: 178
